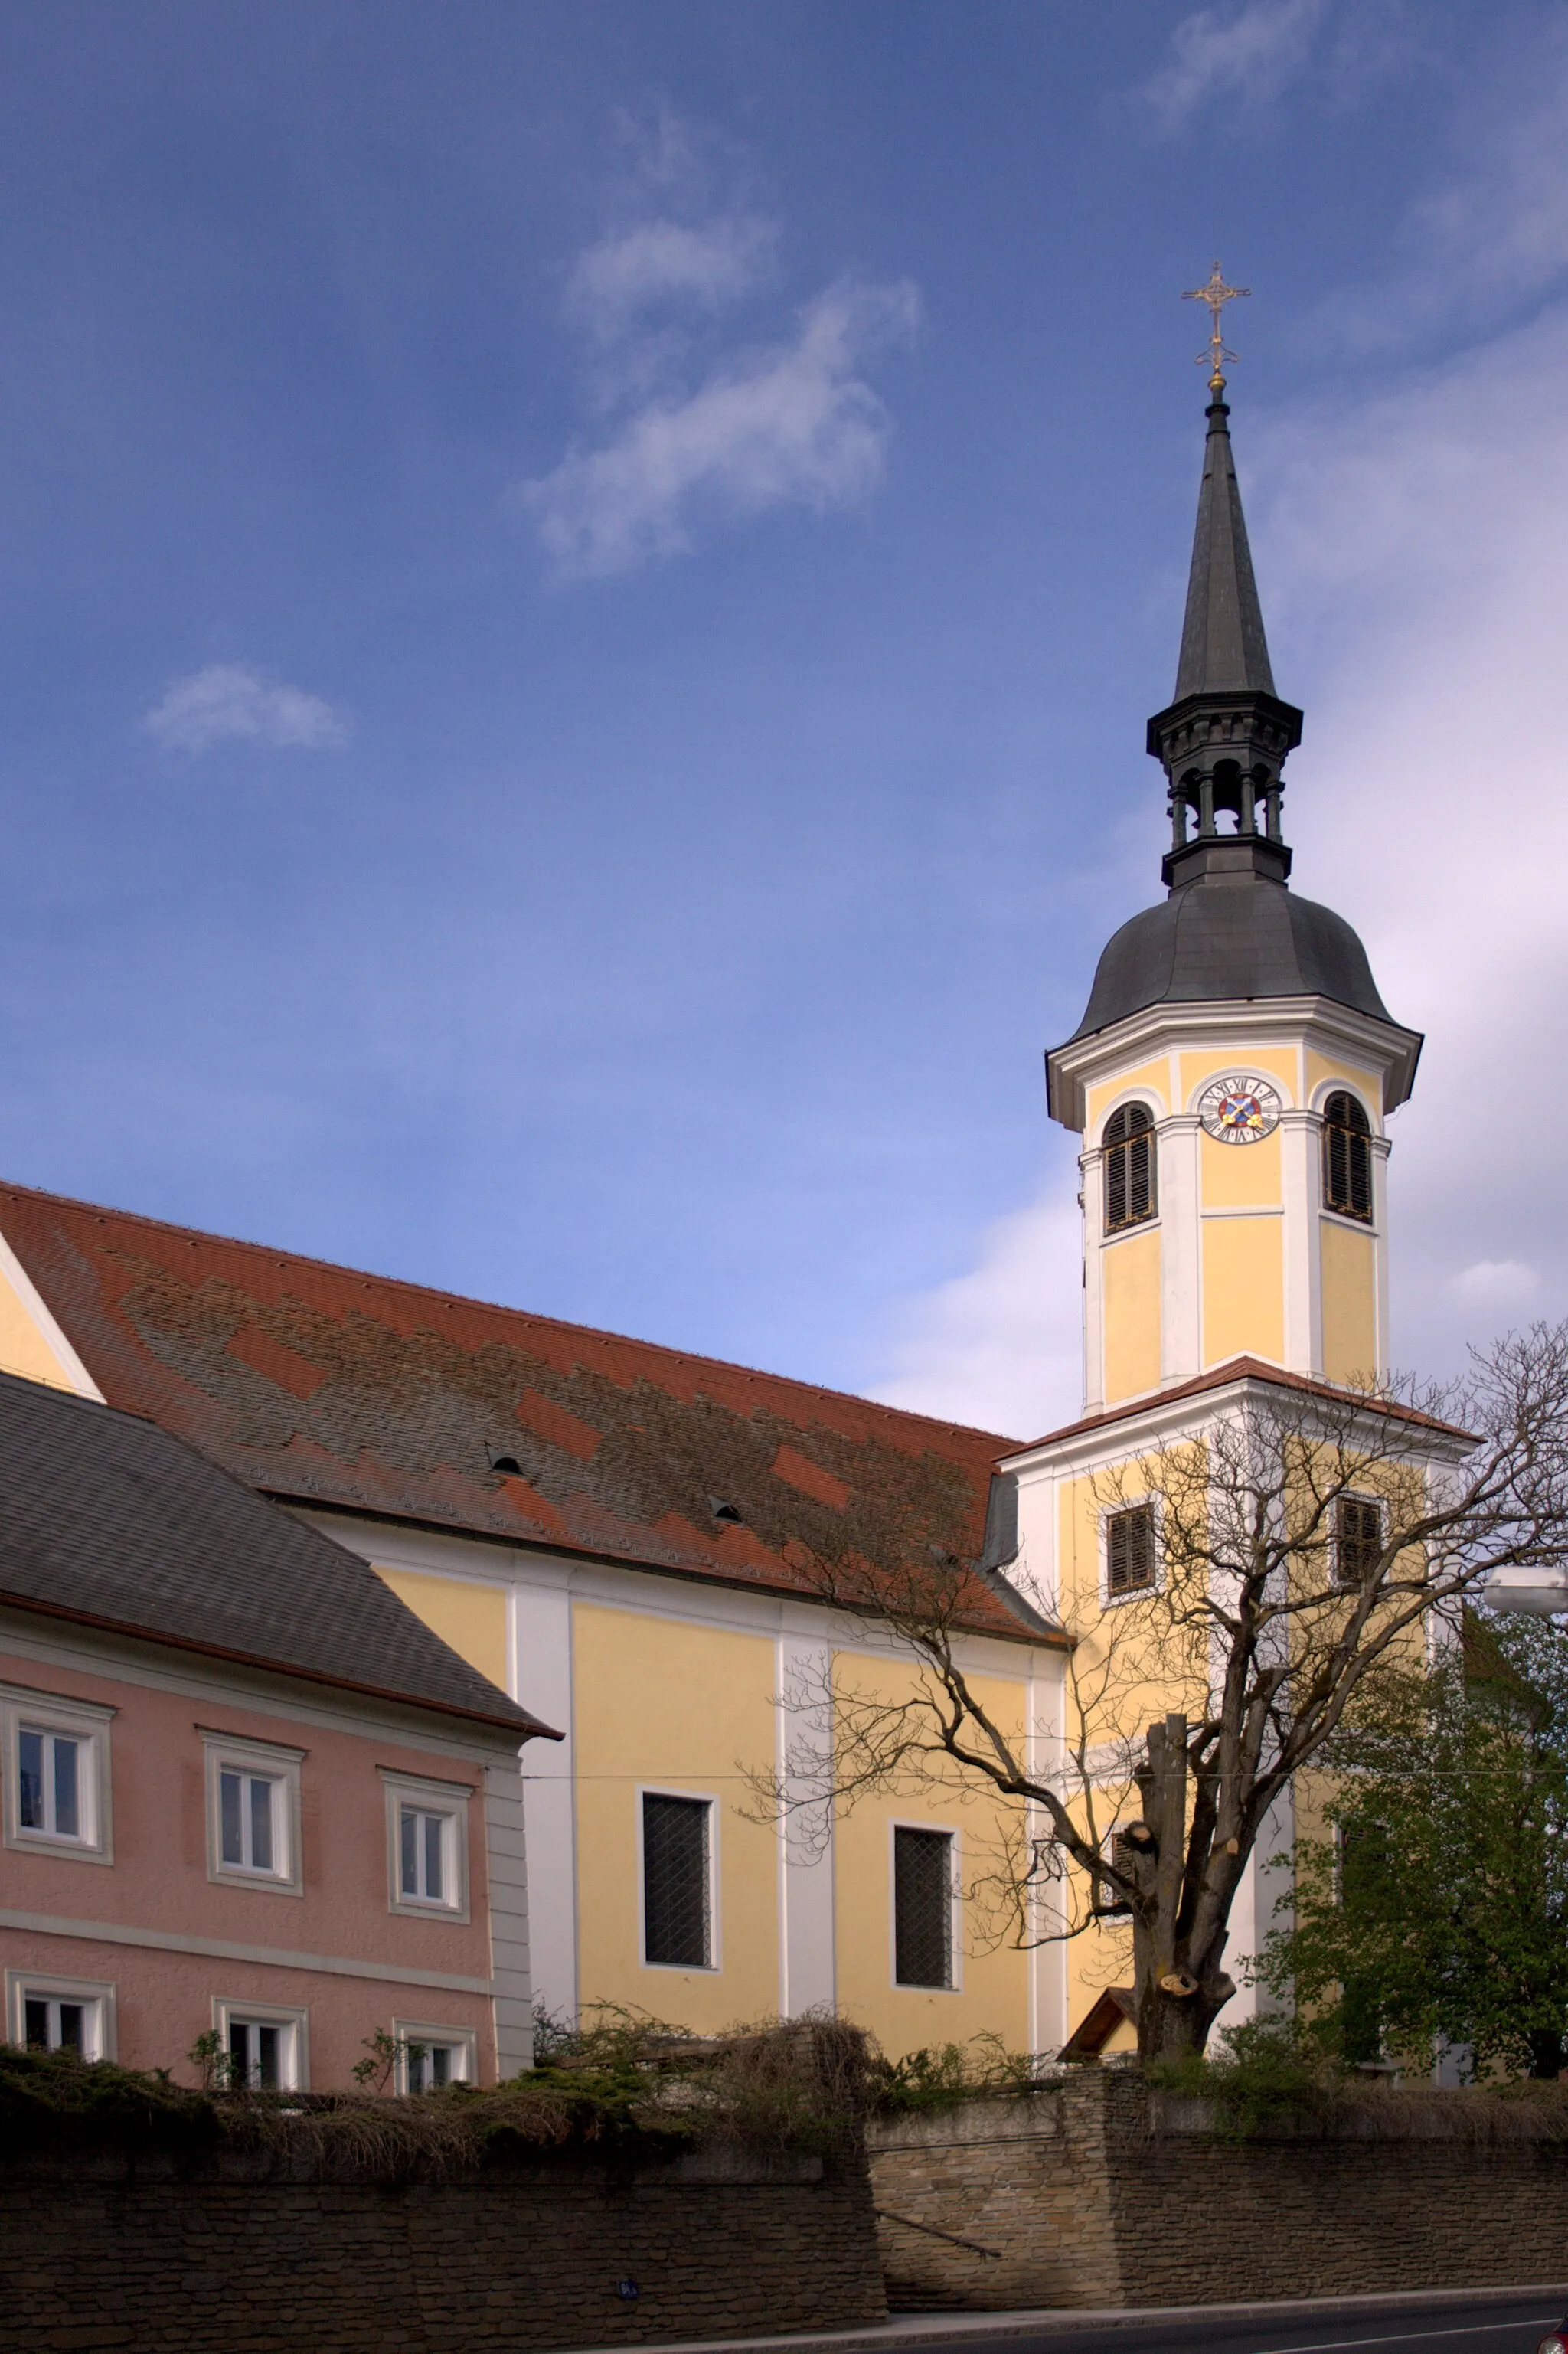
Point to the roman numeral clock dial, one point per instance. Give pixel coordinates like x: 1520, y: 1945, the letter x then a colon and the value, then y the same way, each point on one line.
x: 1239, y: 1109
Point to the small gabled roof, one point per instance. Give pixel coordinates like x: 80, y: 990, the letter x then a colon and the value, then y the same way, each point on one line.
x: 109, y: 1521
x: 337, y: 1389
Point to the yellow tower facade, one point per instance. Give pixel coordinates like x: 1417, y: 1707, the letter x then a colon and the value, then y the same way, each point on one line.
x: 1234, y: 1190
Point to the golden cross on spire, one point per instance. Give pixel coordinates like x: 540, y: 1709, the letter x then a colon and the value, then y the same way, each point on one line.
x: 1216, y: 294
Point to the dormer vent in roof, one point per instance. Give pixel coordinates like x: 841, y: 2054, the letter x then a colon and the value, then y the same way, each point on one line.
x: 723, y: 1511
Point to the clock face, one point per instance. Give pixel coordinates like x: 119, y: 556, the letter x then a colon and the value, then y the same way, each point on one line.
x: 1239, y: 1109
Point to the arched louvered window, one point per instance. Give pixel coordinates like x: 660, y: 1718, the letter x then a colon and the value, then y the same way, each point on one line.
x: 1128, y: 1144
x: 1346, y: 1158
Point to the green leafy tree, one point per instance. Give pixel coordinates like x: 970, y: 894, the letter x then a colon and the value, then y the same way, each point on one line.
x: 1437, y: 1906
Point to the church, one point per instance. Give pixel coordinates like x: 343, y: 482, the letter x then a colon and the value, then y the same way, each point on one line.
x: 620, y: 1535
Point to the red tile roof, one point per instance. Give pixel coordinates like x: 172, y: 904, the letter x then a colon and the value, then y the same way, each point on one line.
x: 334, y: 1388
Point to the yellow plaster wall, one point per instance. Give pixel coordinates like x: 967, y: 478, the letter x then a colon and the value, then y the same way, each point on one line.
x: 23, y: 1348
x: 1233, y: 1176
x: 991, y: 1997
x: 1350, y: 1302
x: 1281, y: 1063
x: 1125, y: 1672
x: 1321, y: 1069
x: 1153, y: 1078
x: 471, y: 1618
x: 1243, y: 1287
x: 686, y: 1709
x: 1130, y: 1308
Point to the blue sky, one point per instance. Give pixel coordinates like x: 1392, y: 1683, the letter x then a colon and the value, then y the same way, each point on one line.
x: 581, y: 587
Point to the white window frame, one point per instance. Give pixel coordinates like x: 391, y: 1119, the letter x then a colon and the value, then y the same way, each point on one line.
x: 955, y: 1925
x: 1352, y: 1496
x: 1109, y: 1601
x: 80, y: 1720
x: 94, y: 1994
x: 714, y: 1962
x: 463, y: 2043
x: 431, y: 1797
x: 279, y: 1764
x: 294, y: 2075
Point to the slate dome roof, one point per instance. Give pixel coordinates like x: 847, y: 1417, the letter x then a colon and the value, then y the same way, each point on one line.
x: 1243, y: 937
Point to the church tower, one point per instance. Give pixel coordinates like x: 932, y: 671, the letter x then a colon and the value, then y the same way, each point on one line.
x: 1235, y: 1066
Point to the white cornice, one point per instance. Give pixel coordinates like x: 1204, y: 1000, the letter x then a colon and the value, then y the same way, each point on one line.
x: 1159, y: 1421
x: 1252, y: 1021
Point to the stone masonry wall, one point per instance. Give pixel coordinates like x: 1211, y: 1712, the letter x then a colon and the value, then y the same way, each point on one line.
x: 1096, y: 2193
x: 100, y: 2256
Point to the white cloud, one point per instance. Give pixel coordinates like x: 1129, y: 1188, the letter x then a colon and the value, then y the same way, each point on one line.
x: 1422, y: 548
x: 1496, y: 1283
x: 232, y: 702
x: 1250, y: 52
x: 1002, y: 1347
x: 795, y: 424
x: 659, y: 261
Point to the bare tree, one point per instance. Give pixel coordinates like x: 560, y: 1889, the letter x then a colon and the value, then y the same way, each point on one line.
x: 1270, y: 1608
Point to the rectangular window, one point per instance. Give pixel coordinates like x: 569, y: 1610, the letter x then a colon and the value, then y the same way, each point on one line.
x: 1130, y: 1558
x: 55, y: 1774
x: 264, y: 2048
x: 430, y: 2057
x: 61, y: 2015
x: 424, y: 1838
x: 49, y: 1782
x: 677, y: 1905
x: 253, y: 1813
x: 1358, y: 1539
x: 247, y: 1803
x: 922, y: 1907
x: 426, y: 1845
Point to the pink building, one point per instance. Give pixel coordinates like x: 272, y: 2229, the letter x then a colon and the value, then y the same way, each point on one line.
x: 246, y: 1793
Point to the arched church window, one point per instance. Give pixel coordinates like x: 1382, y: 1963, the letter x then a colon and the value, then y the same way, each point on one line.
x: 1346, y: 1158
x: 1128, y: 1146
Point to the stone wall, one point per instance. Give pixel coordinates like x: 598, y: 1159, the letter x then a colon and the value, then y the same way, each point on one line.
x: 1096, y: 2192
x: 103, y: 2254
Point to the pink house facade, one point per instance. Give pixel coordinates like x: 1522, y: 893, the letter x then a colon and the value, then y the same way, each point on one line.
x: 255, y: 1814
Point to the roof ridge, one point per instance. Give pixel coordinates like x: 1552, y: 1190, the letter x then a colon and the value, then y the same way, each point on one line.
x: 12, y: 1191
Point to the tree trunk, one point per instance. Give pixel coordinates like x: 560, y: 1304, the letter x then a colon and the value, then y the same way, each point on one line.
x: 1179, y: 1994
x: 1546, y: 2055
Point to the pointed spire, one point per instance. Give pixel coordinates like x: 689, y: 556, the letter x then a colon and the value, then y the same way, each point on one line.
x: 1224, y: 738
x: 1222, y: 641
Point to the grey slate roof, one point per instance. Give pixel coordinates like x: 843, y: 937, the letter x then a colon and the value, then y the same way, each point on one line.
x: 1230, y: 937
x: 107, y: 1519
x: 1224, y: 649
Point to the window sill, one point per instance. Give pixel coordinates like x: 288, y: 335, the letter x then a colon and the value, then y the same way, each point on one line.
x: 259, y: 1884
x: 62, y: 1851
x: 414, y: 1908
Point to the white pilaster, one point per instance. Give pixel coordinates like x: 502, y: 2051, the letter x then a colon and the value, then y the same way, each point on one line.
x: 1380, y: 1152
x: 542, y: 1673
x: 1298, y: 1149
x: 1180, y: 1272
x: 1092, y: 1202
x: 808, y: 1975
